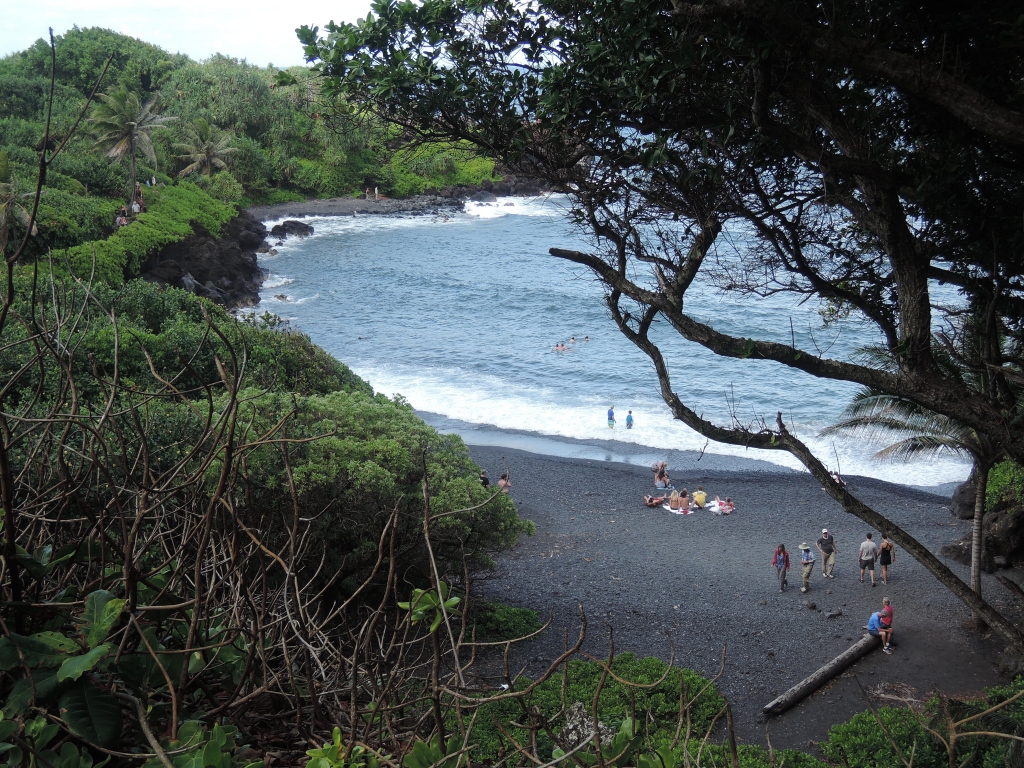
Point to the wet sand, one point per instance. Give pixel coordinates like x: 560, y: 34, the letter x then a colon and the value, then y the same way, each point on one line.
x: 706, y: 582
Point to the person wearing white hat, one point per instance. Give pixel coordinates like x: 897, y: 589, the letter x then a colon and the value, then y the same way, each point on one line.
x: 827, y: 547
x: 807, y: 561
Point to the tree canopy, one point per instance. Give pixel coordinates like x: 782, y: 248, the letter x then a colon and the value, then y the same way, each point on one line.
x: 861, y: 154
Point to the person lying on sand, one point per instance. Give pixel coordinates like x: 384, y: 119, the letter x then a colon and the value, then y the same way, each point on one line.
x: 654, y: 501
x: 720, y: 507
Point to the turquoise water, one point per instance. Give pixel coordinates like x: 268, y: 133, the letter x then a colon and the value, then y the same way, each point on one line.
x: 459, y: 314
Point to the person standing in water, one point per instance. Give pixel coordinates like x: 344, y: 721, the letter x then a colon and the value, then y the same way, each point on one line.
x: 629, y: 420
x: 611, y: 417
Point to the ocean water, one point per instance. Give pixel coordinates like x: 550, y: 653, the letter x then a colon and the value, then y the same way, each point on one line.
x: 459, y: 313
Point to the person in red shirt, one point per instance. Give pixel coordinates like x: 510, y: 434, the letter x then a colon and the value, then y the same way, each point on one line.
x: 885, y: 624
x: 780, y: 562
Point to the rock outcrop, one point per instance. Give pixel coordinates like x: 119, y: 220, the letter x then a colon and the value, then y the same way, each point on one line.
x: 962, y: 503
x: 488, y: 191
x: 1002, y: 536
x: 292, y: 227
x: 222, y: 269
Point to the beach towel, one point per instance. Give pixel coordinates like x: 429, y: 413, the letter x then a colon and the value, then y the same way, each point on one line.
x: 683, y: 511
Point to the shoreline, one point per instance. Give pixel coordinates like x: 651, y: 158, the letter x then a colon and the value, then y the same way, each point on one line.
x: 354, y: 206
x: 685, y: 461
x: 701, y: 583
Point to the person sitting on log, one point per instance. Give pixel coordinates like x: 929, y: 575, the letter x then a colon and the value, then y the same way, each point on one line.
x: 885, y: 624
x: 876, y: 628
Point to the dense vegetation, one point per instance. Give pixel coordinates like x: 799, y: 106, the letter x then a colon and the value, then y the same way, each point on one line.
x: 215, y: 533
x: 281, y: 143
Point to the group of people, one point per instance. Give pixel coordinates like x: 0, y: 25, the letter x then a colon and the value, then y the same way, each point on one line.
x: 868, y: 553
x: 504, y: 485
x: 682, y: 500
x: 561, y: 346
x: 611, y: 418
x: 135, y: 207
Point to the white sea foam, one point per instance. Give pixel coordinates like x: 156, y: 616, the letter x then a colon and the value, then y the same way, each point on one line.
x: 276, y: 281
x: 500, y: 403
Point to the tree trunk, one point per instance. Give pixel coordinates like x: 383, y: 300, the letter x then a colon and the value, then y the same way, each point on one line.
x: 977, y: 542
x: 131, y: 172
x: 810, y: 684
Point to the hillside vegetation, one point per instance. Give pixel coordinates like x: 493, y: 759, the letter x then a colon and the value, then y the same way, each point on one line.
x: 277, y: 143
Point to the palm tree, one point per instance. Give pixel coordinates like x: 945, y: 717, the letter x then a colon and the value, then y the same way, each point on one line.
x: 205, y: 148
x: 122, y: 124
x: 10, y: 209
x: 925, y: 434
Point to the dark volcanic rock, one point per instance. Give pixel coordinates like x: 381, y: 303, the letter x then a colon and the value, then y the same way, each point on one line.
x: 483, y: 196
x: 1002, y: 533
x: 292, y: 227
x: 222, y: 269
x: 962, y: 503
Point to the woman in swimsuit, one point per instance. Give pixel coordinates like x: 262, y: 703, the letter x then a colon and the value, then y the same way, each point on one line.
x: 886, y: 557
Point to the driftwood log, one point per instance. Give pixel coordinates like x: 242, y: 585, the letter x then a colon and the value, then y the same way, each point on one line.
x: 810, y: 684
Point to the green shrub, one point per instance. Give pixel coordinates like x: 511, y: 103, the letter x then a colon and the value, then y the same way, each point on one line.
x: 659, y: 705
x: 221, y: 186
x: 494, y: 620
x: 172, y: 213
x: 1005, y: 483
x: 278, y: 196
x: 860, y: 743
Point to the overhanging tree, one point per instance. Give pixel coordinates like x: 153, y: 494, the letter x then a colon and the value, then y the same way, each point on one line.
x: 867, y: 150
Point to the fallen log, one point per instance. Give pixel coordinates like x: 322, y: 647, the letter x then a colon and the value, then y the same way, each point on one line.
x: 809, y: 685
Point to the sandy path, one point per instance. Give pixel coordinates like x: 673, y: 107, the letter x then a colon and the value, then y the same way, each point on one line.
x: 706, y: 581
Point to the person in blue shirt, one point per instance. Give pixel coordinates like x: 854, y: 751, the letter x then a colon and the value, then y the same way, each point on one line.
x: 629, y: 420
x: 877, y: 628
x: 611, y: 417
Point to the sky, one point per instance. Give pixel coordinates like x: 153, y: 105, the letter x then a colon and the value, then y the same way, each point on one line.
x: 260, y: 31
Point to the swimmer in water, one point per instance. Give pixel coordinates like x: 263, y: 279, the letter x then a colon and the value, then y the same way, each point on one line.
x: 586, y: 338
x: 572, y: 339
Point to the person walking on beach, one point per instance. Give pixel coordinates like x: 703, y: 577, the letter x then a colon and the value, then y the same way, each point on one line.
x: 485, y: 481
x: 827, y: 546
x: 867, y: 554
x: 806, y: 565
x: 629, y: 420
x: 780, y: 561
x: 503, y: 483
x: 886, y: 557
x: 611, y: 417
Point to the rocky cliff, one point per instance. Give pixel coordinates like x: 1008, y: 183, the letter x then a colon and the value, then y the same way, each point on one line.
x: 222, y: 269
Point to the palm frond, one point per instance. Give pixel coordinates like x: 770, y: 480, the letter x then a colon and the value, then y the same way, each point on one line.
x: 922, y: 446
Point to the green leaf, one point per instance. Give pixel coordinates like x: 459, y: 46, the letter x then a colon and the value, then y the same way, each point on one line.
x: 21, y: 694
x: 38, y: 652
x: 102, y: 610
x: 7, y: 727
x: 92, y: 714
x: 212, y: 755
x: 76, y: 666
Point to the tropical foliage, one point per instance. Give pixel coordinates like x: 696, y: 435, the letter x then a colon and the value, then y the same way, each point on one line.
x: 205, y: 148
x: 223, y: 123
x: 123, y: 126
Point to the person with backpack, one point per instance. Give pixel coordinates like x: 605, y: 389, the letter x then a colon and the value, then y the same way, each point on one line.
x: 807, y: 565
x: 780, y: 561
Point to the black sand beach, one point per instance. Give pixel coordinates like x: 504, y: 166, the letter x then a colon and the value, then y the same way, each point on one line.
x: 706, y: 582
x: 355, y: 206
